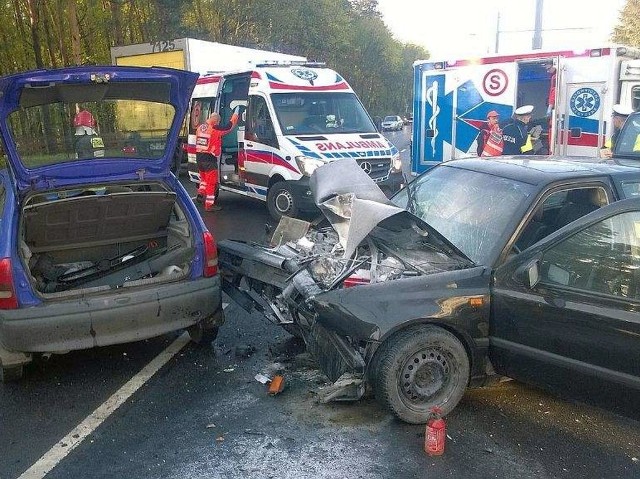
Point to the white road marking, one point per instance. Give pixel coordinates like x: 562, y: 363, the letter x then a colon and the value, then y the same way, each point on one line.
x: 68, y: 443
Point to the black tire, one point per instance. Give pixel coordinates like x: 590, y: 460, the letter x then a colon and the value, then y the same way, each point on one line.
x: 11, y: 373
x: 281, y: 201
x: 420, y: 368
x: 205, y: 332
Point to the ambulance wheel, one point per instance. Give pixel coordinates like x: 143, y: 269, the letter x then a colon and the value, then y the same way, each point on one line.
x: 419, y: 368
x: 281, y: 201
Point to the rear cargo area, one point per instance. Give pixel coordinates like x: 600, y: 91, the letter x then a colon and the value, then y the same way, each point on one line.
x: 104, y: 237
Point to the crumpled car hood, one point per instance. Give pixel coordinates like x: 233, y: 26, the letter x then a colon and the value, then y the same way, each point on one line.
x: 355, y: 205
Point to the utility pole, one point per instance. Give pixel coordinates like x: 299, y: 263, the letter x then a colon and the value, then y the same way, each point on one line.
x: 537, y: 33
x: 497, y: 33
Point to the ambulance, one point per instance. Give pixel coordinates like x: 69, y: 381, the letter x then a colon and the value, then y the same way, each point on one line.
x: 453, y: 97
x: 295, y: 117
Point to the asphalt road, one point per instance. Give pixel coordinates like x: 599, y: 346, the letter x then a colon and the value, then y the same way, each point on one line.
x: 204, y: 415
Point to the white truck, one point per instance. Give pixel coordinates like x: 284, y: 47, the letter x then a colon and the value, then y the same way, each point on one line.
x: 185, y: 54
x: 298, y: 116
x: 453, y: 97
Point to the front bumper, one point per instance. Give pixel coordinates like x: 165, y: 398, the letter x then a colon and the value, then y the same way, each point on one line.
x: 111, y: 318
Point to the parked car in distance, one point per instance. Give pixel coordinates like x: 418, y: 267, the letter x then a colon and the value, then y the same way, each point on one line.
x: 392, y: 122
x: 99, y: 242
x: 525, y: 267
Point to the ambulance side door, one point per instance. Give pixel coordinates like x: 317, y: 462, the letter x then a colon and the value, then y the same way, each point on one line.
x: 260, y: 142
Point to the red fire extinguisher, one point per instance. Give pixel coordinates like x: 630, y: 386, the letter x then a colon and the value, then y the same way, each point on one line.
x: 435, y: 433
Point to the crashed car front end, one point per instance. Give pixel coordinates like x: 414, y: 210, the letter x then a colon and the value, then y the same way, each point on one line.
x: 349, y: 285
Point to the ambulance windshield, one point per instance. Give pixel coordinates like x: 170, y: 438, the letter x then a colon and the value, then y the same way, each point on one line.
x: 321, y: 113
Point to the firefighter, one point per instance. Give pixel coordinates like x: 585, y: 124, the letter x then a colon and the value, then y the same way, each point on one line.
x: 618, y: 117
x: 208, y: 149
x: 515, y: 136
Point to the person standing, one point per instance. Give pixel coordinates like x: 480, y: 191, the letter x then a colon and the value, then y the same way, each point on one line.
x: 208, y: 149
x: 490, y: 137
x: 515, y: 135
x: 618, y: 117
x: 84, y: 122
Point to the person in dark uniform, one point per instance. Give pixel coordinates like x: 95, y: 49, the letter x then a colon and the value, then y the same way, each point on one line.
x: 515, y: 135
x: 618, y: 117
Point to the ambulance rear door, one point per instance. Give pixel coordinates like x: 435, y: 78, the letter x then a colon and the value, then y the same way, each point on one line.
x: 587, y: 89
x: 582, y: 128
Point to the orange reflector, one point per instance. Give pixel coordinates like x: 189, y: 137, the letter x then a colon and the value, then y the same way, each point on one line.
x: 475, y: 302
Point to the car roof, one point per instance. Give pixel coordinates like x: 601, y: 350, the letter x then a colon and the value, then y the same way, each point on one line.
x: 536, y: 170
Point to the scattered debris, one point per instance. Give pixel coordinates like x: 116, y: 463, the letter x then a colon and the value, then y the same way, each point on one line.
x: 209, y: 426
x: 229, y: 370
x: 261, y: 378
x: 276, y: 385
x: 220, y: 438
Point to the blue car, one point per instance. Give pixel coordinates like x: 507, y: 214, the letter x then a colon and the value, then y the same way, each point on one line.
x: 99, y: 242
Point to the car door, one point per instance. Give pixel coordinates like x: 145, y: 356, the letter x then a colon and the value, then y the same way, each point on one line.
x: 260, y: 142
x: 566, y: 312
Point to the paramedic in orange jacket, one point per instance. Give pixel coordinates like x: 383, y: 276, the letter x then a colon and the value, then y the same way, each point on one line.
x: 208, y: 149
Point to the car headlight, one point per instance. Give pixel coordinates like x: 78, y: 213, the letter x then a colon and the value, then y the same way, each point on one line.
x: 308, y: 165
x: 396, y: 164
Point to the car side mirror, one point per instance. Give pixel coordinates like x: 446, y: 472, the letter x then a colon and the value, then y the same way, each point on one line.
x: 529, y: 274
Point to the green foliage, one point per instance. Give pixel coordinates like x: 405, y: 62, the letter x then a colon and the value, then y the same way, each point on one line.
x: 349, y: 35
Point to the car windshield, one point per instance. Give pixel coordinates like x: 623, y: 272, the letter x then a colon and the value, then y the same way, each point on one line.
x: 473, y: 210
x: 311, y: 113
x: 389, y: 118
x: 47, y: 131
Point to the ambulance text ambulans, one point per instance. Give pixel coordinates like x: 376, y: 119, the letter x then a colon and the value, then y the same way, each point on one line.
x: 452, y: 100
x: 296, y: 116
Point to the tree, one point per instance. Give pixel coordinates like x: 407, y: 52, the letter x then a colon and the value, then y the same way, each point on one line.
x: 628, y: 29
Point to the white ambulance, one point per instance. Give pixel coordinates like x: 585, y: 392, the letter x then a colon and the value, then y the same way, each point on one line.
x: 296, y: 117
x: 453, y: 97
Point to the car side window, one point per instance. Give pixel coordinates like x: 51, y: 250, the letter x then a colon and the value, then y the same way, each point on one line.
x: 559, y: 209
x: 604, y: 258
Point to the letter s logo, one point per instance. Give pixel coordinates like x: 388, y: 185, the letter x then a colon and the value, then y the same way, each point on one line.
x: 495, y: 82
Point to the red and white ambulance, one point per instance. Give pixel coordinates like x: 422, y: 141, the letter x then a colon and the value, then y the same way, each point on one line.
x: 453, y: 97
x: 297, y: 116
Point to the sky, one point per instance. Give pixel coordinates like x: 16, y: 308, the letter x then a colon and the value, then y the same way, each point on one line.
x: 460, y: 28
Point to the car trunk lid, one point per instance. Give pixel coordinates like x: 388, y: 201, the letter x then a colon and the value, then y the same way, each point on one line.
x: 38, y: 110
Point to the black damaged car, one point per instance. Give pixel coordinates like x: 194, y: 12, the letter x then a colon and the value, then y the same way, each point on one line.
x: 525, y: 267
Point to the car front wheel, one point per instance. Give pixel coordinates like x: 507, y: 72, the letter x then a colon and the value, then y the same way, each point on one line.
x: 420, y: 368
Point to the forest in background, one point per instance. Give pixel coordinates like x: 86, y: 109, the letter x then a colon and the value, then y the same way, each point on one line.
x: 348, y: 35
